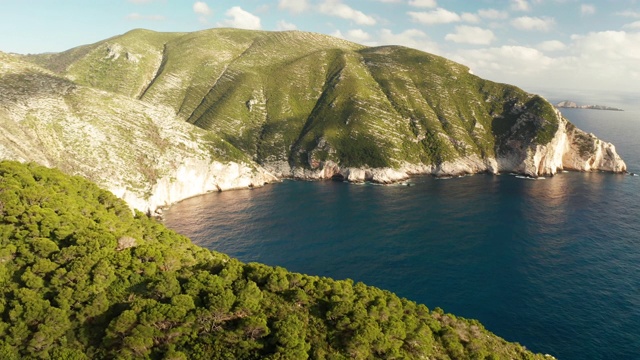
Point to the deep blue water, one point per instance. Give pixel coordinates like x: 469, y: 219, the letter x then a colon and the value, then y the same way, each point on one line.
x: 553, y: 264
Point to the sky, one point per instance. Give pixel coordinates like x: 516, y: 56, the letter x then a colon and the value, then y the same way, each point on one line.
x: 545, y: 46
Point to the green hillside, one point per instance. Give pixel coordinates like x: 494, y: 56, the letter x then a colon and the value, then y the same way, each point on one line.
x: 81, y: 277
x: 304, y: 98
x: 122, y: 143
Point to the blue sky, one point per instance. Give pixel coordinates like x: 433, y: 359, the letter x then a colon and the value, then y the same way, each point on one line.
x: 536, y: 44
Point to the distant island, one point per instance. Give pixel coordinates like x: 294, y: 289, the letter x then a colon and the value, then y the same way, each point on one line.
x: 572, y: 105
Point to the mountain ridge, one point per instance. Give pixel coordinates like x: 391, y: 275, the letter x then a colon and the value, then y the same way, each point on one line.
x: 308, y: 106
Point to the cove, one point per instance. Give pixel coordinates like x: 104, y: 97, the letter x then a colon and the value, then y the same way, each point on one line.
x: 553, y: 264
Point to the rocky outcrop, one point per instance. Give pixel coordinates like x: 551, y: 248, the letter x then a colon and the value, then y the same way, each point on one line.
x: 585, y: 152
x: 569, y: 149
x: 191, y: 178
x: 136, y: 150
x: 331, y: 170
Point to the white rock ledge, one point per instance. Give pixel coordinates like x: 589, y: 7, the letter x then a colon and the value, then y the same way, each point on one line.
x: 192, y: 178
x: 570, y: 149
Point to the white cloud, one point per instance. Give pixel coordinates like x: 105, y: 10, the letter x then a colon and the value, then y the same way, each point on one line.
x: 295, y: 6
x: 493, y: 14
x: 633, y: 25
x: 533, y: 23
x: 471, y: 35
x: 607, y: 59
x: 136, y: 16
x: 599, y: 60
x: 390, y: 1
x: 437, y: 16
x: 629, y: 13
x: 586, y: 9
x: 520, y: 5
x: 200, y: 7
x: 337, y: 8
x: 239, y: 18
x: 358, y: 35
x: 470, y: 18
x: 613, y: 46
x: 283, y: 26
x: 552, y: 45
x: 413, y: 38
x: 505, y: 63
x: 423, y: 3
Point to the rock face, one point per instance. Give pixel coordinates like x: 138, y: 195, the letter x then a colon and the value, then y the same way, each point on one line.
x: 139, y: 152
x: 159, y: 117
x: 195, y: 177
x: 585, y: 152
x: 570, y: 148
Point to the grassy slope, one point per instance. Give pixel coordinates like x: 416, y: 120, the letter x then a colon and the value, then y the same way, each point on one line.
x: 123, y: 64
x: 304, y: 98
x: 107, y: 137
x: 82, y: 277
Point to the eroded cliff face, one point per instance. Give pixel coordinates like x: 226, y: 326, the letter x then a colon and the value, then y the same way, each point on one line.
x: 585, y: 152
x: 191, y: 178
x: 136, y: 150
x: 569, y: 149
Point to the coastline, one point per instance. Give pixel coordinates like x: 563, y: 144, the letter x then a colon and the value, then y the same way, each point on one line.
x: 405, y: 181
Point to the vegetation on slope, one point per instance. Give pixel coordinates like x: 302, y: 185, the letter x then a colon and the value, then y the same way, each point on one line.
x: 112, y: 139
x: 81, y: 277
x: 304, y: 98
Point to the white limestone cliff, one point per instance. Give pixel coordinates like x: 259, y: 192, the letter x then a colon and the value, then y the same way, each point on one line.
x: 585, y: 152
x: 570, y: 148
x: 191, y: 178
x: 136, y: 150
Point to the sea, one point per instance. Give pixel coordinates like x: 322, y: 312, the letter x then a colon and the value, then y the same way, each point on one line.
x: 553, y: 264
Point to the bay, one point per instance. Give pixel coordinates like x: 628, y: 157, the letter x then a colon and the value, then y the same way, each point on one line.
x: 553, y: 264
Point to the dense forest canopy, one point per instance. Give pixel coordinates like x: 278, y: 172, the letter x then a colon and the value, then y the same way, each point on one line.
x: 82, y: 277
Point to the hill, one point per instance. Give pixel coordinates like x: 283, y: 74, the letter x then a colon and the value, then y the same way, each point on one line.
x: 273, y: 105
x: 84, y: 278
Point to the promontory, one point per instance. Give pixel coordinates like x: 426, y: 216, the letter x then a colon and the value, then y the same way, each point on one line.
x: 158, y: 117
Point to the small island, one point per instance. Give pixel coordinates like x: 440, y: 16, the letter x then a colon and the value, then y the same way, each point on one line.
x: 566, y: 104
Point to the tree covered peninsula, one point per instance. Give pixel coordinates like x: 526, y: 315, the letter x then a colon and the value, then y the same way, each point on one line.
x: 82, y: 277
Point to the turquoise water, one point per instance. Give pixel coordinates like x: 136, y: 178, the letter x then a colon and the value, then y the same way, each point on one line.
x: 553, y: 264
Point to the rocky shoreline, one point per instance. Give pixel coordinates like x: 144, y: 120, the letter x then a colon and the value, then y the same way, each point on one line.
x: 570, y: 149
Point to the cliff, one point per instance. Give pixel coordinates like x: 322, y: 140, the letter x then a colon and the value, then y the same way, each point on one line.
x: 157, y: 117
x: 138, y: 151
